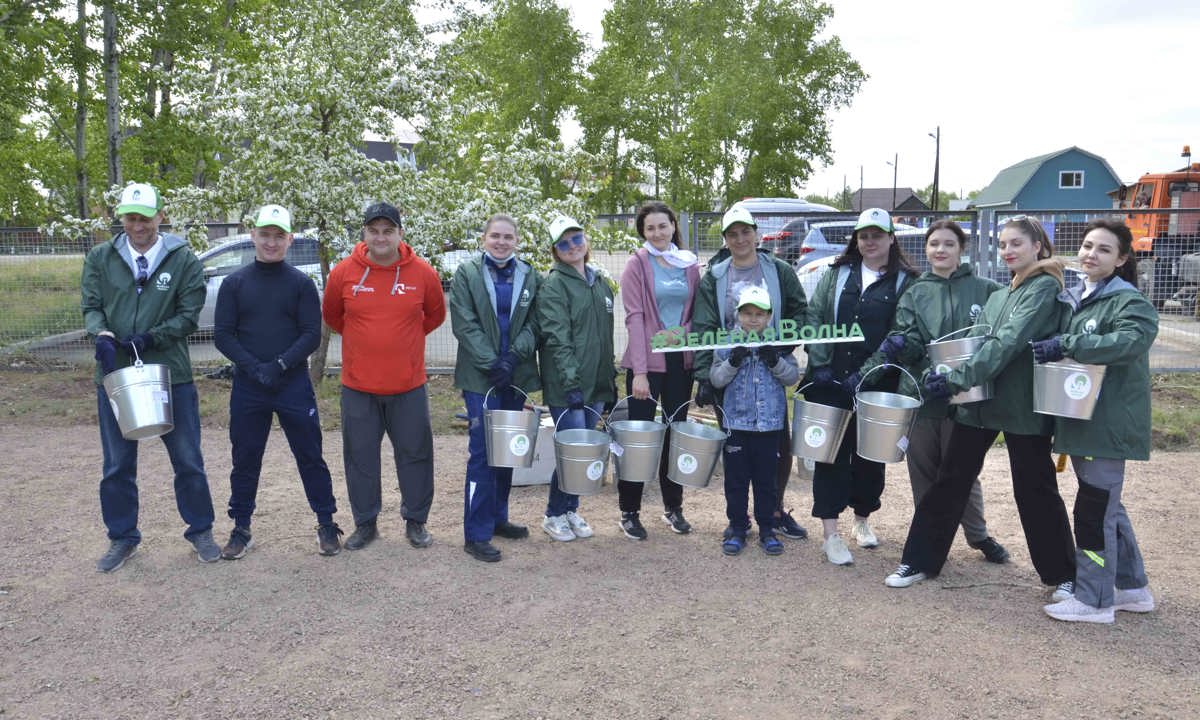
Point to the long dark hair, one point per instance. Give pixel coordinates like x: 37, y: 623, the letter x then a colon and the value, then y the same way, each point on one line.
x: 1128, y: 270
x: 897, y: 261
x: 657, y: 207
x: 1032, y: 227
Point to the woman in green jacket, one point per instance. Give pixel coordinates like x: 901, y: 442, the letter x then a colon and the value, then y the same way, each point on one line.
x: 574, y: 311
x: 491, y: 312
x: 1026, y: 310
x: 947, y: 298
x: 1113, y: 325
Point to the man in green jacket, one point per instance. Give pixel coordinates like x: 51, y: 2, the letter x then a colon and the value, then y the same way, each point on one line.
x: 142, y: 294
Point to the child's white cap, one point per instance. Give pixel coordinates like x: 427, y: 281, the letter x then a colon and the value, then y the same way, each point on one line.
x: 755, y: 295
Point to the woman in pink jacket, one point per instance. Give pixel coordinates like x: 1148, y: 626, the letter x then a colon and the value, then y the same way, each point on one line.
x: 657, y: 288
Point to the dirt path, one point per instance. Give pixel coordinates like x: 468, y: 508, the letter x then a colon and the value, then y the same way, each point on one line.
x: 605, y: 627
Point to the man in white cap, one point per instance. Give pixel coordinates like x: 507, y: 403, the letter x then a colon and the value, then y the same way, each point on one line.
x: 268, y: 321
x: 142, y: 294
x: 740, y: 264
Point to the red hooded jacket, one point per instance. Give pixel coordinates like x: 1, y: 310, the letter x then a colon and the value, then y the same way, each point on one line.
x: 383, y: 314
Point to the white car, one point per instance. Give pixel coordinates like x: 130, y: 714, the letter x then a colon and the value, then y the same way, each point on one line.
x: 237, y: 252
x: 810, y: 273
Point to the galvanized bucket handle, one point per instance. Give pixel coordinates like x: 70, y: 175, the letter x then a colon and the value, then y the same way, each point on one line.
x: 969, y: 327
x: 693, y: 402
x: 588, y: 408
x: 883, y: 365
x: 489, y: 392
x: 657, y: 404
x: 137, y: 359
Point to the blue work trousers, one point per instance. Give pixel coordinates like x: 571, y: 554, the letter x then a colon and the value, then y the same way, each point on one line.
x: 251, y: 407
x: 561, y: 502
x: 485, y: 501
x: 751, y: 463
x: 118, y: 486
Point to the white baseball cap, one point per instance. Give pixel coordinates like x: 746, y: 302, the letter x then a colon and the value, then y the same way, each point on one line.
x: 560, y: 225
x: 875, y: 217
x: 755, y: 295
x: 737, y: 214
x: 141, y: 199
x: 276, y: 215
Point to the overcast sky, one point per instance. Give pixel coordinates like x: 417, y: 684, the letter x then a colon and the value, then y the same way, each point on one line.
x: 1005, y: 82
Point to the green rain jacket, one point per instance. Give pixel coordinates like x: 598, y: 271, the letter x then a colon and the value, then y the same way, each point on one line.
x: 168, y: 308
x: 1024, y: 311
x: 1114, y: 327
x: 473, y: 319
x: 575, y: 318
x: 932, y: 307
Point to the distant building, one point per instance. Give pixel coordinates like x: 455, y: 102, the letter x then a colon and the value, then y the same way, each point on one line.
x: 906, y: 200
x: 1062, y: 180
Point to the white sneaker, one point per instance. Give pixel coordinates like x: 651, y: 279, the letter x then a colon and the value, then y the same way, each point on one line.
x: 1075, y: 610
x: 863, y: 535
x: 836, y: 550
x: 578, y: 525
x: 557, y: 528
x: 1064, y: 591
x: 1138, y: 600
x: 904, y: 576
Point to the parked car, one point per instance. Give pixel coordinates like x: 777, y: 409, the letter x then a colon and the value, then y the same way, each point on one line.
x: 828, y: 239
x: 792, y: 242
x: 810, y: 273
x: 237, y: 252
x: 771, y: 214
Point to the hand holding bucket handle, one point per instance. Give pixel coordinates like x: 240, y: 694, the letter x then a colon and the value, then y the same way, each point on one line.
x: 883, y: 365
x: 587, y: 408
x: 949, y: 335
x: 512, y: 387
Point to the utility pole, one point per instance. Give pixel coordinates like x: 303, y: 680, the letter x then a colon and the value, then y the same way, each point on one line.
x: 895, y: 163
x: 937, y: 161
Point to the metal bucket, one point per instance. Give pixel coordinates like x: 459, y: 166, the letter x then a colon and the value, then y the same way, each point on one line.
x: 817, y: 429
x: 946, y: 355
x: 884, y: 420
x: 640, y: 443
x: 1066, y: 389
x: 140, y: 396
x: 695, y: 450
x: 581, y: 458
x: 510, y: 435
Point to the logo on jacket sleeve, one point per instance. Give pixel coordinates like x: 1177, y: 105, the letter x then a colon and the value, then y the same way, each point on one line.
x: 975, y: 310
x: 163, y: 282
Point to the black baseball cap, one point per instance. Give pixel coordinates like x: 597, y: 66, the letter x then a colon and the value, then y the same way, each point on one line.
x: 382, y: 210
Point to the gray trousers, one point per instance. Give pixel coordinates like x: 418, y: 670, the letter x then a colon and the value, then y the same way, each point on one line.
x: 927, y: 445
x: 405, y: 419
x: 1106, y: 551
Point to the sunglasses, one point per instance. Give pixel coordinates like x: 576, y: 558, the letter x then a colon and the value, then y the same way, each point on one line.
x: 567, y: 243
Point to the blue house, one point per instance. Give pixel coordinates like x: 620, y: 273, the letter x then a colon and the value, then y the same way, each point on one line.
x: 1064, y: 180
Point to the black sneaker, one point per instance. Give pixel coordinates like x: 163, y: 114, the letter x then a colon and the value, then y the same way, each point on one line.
x: 484, y: 551
x: 327, y: 539
x: 417, y: 535
x: 362, y: 536
x: 239, y: 542
x: 511, y: 531
x: 118, y: 552
x: 992, y: 551
x: 787, y: 526
x: 632, y: 526
x: 675, y: 519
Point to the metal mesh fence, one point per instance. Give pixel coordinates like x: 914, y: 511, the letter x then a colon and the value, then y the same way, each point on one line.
x: 39, y: 276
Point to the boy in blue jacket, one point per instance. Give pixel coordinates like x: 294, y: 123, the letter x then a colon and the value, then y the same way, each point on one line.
x: 755, y: 407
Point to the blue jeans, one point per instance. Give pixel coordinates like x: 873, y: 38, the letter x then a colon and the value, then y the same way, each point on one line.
x: 118, y: 486
x: 562, y: 502
x: 485, y: 495
x: 250, y: 409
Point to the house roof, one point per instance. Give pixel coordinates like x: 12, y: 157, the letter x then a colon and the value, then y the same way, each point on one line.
x: 1010, y: 181
x: 882, y: 198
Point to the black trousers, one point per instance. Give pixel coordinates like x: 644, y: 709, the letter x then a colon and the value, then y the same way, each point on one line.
x: 1035, y: 489
x: 672, y: 388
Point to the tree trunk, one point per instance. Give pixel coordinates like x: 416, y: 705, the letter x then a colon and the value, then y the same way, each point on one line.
x: 112, y: 100
x: 81, y: 77
x: 316, y: 365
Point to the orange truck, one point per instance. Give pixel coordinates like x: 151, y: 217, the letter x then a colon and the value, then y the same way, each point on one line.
x: 1163, y: 212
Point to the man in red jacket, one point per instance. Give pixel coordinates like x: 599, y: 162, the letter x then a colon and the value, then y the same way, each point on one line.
x: 384, y: 300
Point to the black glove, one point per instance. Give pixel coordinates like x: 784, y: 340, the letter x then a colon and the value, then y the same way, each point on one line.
x: 500, y: 376
x: 738, y: 355
x: 937, y: 387
x: 575, y: 399
x: 267, y: 374
x: 891, y: 346
x: 704, y: 394
x: 769, y: 355
x: 822, y: 376
x: 140, y: 343
x: 851, y: 382
x: 106, y: 353
x: 1048, y: 350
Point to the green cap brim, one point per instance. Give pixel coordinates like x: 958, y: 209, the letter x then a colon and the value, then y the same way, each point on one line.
x: 144, y: 210
x: 277, y: 223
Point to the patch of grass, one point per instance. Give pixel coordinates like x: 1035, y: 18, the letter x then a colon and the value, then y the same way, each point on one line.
x: 1175, y: 411
x: 40, y: 297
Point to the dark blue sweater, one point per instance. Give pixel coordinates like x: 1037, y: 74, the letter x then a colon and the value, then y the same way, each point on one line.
x: 267, y: 311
